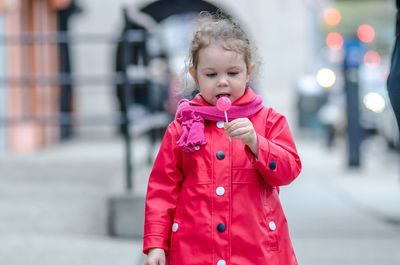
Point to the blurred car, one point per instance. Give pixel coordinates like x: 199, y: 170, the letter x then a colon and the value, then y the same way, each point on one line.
x: 372, y: 86
x: 376, y: 112
x: 310, y: 98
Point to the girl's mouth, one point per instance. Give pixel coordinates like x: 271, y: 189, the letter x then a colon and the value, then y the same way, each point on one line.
x: 222, y: 95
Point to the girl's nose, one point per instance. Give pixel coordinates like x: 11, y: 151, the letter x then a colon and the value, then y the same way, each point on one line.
x: 223, y: 81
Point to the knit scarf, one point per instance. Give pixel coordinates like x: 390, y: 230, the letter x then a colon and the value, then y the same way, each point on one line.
x: 192, y: 120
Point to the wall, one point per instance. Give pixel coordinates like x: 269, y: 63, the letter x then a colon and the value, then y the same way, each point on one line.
x: 35, y: 60
x: 283, y: 34
x: 2, y: 93
x: 282, y: 31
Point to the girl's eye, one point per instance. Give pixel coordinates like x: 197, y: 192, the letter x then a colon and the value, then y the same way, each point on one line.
x: 232, y: 73
x: 211, y: 75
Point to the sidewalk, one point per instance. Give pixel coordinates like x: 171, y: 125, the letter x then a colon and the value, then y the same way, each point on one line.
x: 53, y: 205
x: 373, y: 188
x: 344, y: 216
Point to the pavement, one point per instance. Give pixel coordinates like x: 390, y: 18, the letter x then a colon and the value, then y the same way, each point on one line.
x: 53, y: 204
x: 339, y: 215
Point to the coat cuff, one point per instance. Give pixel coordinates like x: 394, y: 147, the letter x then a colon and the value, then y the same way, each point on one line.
x: 156, y: 235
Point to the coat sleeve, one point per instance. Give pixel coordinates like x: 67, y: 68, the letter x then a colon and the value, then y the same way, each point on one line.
x: 163, y: 192
x: 278, y: 161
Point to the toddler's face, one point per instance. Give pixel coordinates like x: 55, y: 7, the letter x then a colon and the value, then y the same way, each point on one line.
x: 220, y: 72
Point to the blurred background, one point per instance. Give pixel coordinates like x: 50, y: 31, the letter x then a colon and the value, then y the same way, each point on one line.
x: 88, y: 87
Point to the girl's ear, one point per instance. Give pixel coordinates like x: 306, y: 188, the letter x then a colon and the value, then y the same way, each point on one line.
x: 192, y: 72
x: 250, y: 72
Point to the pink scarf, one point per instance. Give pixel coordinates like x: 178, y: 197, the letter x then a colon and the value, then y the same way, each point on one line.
x: 192, y: 120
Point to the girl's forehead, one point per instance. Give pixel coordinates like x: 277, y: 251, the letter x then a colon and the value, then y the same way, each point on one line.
x: 218, y: 53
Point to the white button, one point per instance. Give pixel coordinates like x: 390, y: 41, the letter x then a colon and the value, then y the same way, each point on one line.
x: 175, y: 227
x: 196, y: 147
x: 221, y: 262
x: 220, y: 124
x: 220, y: 191
x: 272, y: 225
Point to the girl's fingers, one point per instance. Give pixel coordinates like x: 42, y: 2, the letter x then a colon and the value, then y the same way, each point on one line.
x: 232, y: 127
x: 242, y: 136
x: 238, y: 132
x: 241, y: 129
x: 155, y: 262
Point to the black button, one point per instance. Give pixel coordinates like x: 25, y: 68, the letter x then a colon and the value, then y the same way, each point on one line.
x: 221, y: 228
x: 272, y: 165
x: 220, y: 155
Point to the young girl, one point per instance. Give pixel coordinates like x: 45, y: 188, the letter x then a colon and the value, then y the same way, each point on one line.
x: 212, y: 195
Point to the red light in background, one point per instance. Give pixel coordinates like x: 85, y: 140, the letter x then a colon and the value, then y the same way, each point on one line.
x: 332, y: 16
x: 334, y: 41
x: 366, y: 33
x: 372, y: 58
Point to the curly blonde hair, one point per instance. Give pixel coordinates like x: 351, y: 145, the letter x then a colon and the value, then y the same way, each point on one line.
x: 218, y: 28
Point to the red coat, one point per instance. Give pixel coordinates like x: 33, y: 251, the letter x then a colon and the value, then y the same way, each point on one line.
x: 220, y: 205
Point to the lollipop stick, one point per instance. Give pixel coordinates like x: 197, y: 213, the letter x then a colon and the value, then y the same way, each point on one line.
x: 226, y: 118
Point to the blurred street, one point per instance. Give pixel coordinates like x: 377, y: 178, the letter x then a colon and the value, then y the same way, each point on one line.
x: 57, y: 214
x: 61, y: 148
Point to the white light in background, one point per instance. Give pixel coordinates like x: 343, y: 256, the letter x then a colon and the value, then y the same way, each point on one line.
x: 326, y: 78
x: 374, y: 102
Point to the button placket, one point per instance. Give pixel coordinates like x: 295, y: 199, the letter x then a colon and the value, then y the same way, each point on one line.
x: 222, y: 162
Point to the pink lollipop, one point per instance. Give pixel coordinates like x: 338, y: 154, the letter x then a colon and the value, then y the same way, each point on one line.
x: 223, y: 104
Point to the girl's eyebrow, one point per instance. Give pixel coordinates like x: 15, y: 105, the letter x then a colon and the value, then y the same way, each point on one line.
x: 208, y: 68
x: 235, y: 67
x: 238, y: 67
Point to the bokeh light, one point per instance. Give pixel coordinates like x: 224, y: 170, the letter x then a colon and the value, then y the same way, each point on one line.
x: 334, y: 41
x: 374, y: 102
x: 372, y: 57
x: 366, y: 33
x: 326, y: 78
x: 332, y: 16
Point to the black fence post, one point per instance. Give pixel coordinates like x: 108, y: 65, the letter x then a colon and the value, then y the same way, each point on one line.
x: 351, y: 63
x: 125, y: 114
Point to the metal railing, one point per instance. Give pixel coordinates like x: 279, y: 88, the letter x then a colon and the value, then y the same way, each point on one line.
x: 134, y: 128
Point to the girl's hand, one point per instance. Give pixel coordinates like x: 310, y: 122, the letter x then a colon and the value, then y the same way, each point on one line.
x: 156, y: 256
x: 243, y: 129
